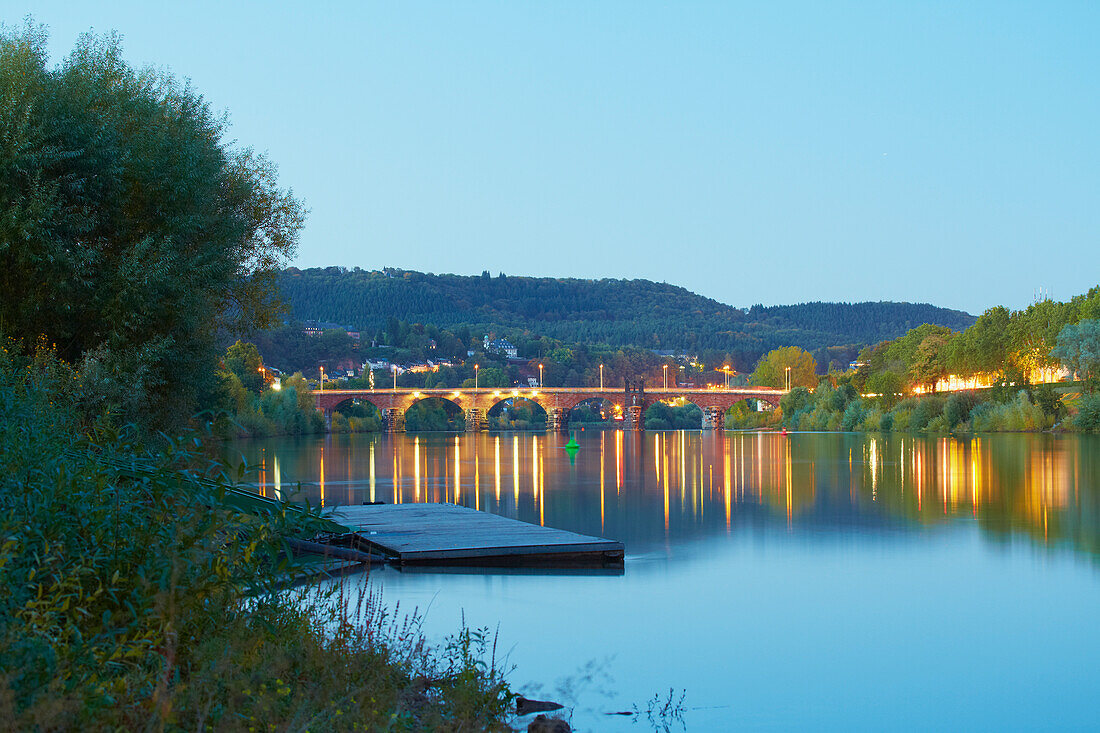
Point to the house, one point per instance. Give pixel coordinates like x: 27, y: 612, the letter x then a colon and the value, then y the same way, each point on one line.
x: 316, y: 328
x: 501, y: 346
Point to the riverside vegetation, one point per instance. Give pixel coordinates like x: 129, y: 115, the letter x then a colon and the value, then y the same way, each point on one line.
x: 131, y: 595
x: 135, y: 598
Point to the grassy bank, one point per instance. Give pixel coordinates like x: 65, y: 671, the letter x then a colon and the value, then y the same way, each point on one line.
x: 133, y: 598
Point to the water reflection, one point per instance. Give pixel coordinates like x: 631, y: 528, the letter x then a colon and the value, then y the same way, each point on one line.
x: 676, y: 485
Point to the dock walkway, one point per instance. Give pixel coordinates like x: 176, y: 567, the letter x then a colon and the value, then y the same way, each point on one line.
x: 447, y: 534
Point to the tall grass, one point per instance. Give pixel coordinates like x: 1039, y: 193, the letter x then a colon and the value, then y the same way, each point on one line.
x: 132, y: 597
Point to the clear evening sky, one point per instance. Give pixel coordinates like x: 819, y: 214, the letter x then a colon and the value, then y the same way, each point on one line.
x: 753, y: 152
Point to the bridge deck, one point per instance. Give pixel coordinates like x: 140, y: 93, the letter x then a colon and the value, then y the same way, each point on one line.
x: 446, y: 534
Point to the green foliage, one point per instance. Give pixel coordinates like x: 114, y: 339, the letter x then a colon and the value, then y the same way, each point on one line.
x: 957, y: 408
x: 434, y: 414
x: 131, y: 233
x: 1017, y: 415
x: 796, y: 400
x: 243, y: 360
x: 926, y: 409
x: 135, y: 598
x: 854, y: 415
x: 662, y: 416
x: 636, y: 313
x: 285, y: 411
x: 771, y: 370
x: 1088, y: 414
x: 1078, y: 348
x: 929, y: 364
x: 517, y: 414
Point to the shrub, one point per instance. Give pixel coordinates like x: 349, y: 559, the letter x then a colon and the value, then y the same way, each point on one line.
x: 796, y: 400
x: 853, y: 415
x: 957, y: 408
x: 926, y: 409
x: 135, y: 597
x: 1088, y: 413
x: 1018, y: 415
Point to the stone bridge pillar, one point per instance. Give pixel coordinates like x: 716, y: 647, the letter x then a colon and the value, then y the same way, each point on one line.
x: 327, y: 412
x: 712, y: 418
x: 634, y: 405
x: 475, y: 420
x: 393, y: 419
x: 557, y: 419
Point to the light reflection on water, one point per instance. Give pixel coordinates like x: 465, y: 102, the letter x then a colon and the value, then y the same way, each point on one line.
x: 808, y: 580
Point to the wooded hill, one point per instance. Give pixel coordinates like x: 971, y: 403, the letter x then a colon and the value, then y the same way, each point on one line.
x: 616, y: 312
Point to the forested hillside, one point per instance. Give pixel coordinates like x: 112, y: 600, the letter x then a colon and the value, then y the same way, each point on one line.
x: 617, y: 312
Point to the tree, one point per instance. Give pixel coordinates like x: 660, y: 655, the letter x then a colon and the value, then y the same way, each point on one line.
x: 132, y: 234
x: 1078, y: 349
x: 929, y: 364
x: 243, y: 359
x: 985, y: 347
x: 771, y: 370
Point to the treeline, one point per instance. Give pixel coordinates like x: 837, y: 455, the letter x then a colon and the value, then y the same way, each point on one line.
x: 637, y: 313
x: 1013, y: 355
x: 1001, y: 346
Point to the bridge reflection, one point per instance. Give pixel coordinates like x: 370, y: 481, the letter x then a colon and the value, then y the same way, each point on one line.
x: 647, y: 487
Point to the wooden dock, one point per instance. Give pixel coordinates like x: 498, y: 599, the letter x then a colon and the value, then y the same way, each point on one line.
x: 447, y: 534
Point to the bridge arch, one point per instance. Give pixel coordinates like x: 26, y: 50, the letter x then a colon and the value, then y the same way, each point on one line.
x: 604, y: 409
x: 433, y: 412
x: 666, y: 414
x: 521, y: 411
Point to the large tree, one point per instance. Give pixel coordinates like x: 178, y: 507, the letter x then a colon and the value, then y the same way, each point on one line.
x: 771, y: 370
x: 1079, y: 349
x: 131, y: 231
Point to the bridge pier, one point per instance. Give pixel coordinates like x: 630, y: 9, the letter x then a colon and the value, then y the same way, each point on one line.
x: 328, y: 419
x: 475, y: 420
x: 634, y: 418
x: 557, y: 419
x: 393, y: 419
x: 713, y: 418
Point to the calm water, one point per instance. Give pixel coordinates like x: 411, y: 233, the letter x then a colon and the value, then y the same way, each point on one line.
x: 825, y: 581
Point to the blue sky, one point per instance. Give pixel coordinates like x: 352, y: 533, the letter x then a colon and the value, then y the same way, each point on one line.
x: 753, y: 152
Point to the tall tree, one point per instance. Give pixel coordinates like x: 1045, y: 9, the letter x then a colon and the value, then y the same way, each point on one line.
x: 1079, y: 349
x: 771, y: 370
x: 131, y: 232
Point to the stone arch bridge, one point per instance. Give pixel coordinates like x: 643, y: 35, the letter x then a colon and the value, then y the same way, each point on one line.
x: 556, y: 401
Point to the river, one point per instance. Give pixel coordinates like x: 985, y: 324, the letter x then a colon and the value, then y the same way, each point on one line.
x: 824, y: 581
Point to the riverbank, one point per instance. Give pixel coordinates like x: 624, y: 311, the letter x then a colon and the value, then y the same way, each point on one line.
x: 1028, y: 409
x: 134, y: 598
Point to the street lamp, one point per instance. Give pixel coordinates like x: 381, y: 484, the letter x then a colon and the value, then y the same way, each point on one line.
x: 601, y: 376
x: 322, y: 379
x: 394, y: 370
x: 726, y: 371
x: 476, y: 367
x: 788, y: 379
x: 540, y: 376
x: 664, y: 368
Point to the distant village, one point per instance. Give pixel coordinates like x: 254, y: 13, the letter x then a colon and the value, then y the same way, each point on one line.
x: 501, y: 348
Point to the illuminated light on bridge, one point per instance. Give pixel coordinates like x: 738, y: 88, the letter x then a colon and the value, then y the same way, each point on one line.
x: 557, y: 402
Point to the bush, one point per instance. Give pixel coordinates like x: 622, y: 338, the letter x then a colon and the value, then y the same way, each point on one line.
x: 927, y: 408
x: 796, y: 400
x: 1088, y: 413
x: 1018, y: 415
x: 136, y: 598
x: 853, y: 416
x: 957, y: 408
